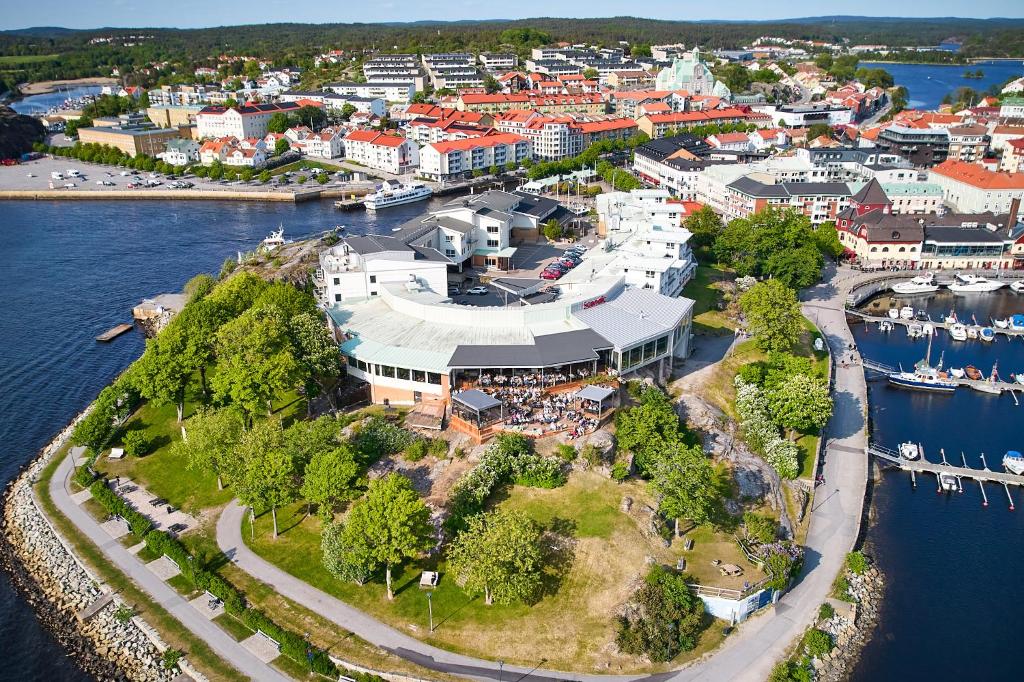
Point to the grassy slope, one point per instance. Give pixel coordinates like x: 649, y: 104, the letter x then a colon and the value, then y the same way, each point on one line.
x: 707, y: 318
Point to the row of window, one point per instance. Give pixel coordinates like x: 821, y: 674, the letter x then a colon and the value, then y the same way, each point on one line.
x: 395, y: 372
x: 645, y: 352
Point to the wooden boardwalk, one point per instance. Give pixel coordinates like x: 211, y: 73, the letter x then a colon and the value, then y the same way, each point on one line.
x: 114, y: 332
x: 923, y: 466
x: 868, y: 318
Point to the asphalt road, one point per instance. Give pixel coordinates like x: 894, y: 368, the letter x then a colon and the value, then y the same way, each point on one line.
x: 218, y: 640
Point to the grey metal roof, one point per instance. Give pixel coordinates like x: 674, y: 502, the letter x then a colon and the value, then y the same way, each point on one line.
x: 492, y: 199
x: 550, y: 350
x: 454, y: 224
x: 476, y: 400
x: 373, y: 243
x: 424, y: 253
x: 749, y: 185
x: 595, y: 393
x: 635, y: 315
x: 961, y: 235
x: 530, y: 204
x: 518, y: 285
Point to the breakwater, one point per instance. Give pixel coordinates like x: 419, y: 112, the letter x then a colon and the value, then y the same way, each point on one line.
x: 109, y: 644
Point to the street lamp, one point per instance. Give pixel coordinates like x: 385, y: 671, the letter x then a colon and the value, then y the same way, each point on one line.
x: 430, y: 609
x: 501, y: 668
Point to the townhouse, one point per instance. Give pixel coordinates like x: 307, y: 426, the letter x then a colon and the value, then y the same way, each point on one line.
x: 498, y: 62
x: 180, y: 152
x: 389, y: 153
x: 447, y: 160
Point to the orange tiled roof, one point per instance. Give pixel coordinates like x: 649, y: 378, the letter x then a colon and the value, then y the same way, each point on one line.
x: 979, y: 176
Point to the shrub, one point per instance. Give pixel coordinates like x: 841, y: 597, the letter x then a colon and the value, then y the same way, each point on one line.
x: 114, y: 505
x: 438, y: 448
x: 540, y: 472
x: 137, y: 443
x: 662, y: 618
x: 591, y: 454
x: 620, y: 471
x: 857, y: 563
x: 84, y: 476
x: 169, y: 659
x: 841, y: 589
x: 416, y: 450
x: 817, y: 642
x: 760, y: 528
x: 123, y: 614
x: 566, y: 452
x: 379, y: 437
x: 825, y: 611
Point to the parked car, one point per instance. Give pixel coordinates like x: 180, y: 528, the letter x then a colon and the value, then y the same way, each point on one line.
x: 477, y: 291
x: 454, y: 290
x: 555, y: 265
x: 567, y: 262
x: 550, y: 274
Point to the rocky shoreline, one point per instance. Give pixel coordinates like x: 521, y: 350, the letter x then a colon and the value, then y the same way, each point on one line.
x: 108, y: 645
x: 851, y: 630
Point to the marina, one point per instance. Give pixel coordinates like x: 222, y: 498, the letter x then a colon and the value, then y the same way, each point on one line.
x: 888, y: 322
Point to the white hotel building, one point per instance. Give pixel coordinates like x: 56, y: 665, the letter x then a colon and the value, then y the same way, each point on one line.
x: 245, y: 121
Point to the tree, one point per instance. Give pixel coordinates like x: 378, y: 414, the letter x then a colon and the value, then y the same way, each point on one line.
x: 347, y: 111
x: 499, y: 555
x: 346, y: 554
x: 317, y: 353
x: 705, y: 225
x: 684, y: 483
x: 199, y: 286
x: 818, y: 130
x: 827, y: 238
x: 198, y: 324
x: 394, y: 522
x: 208, y: 442
x: 265, y: 175
x: 237, y: 294
x: 322, y: 178
x: 590, y: 73
x: 246, y: 174
x: 760, y: 528
x: 268, y: 479
x: 801, y: 403
x: 304, y: 440
x: 650, y: 428
x: 290, y: 300
x: 662, y: 618
x: 256, y: 360
x: 771, y: 243
x: 312, y: 116
x: 491, y: 85
x: 773, y: 315
x: 330, y: 479
x: 281, y: 146
x: 552, y: 230
x: 278, y: 123
x: 163, y: 371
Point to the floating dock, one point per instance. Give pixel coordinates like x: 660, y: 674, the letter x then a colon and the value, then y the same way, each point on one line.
x: 922, y: 466
x: 114, y: 332
x: 978, y: 384
x: 348, y: 204
x: 868, y: 318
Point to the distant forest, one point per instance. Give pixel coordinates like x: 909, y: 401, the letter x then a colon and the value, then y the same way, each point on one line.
x: 48, y: 53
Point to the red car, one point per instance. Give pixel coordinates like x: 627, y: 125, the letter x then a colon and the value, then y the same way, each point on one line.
x: 551, y: 274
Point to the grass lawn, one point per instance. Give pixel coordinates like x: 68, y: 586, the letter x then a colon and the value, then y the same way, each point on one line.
x: 15, y: 60
x: 303, y: 164
x: 709, y: 546
x: 233, y: 626
x: 571, y: 626
x: 707, y: 318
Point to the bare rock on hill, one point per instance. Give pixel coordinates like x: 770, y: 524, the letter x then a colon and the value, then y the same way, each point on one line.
x: 17, y: 133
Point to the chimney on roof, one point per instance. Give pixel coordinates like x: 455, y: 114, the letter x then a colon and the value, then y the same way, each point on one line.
x: 1011, y: 220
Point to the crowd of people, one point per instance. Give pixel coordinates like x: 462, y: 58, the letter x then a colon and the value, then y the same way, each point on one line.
x: 534, y: 379
x: 530, y: 407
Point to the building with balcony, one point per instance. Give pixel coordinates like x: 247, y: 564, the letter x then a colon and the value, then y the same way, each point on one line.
x: 380, y: 151
x: 459, y: 158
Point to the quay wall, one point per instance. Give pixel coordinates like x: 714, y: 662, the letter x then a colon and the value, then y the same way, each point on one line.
x: 59, y: 586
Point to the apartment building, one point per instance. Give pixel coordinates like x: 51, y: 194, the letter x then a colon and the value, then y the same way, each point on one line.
x: 819, y: 201
x: 335, y: 103
x: 551, y: 137
x: 249, y: 120
x: 400, y: 93
x: 388, y: 153
x: 547, y: 104
x: 499, y: 62
x: 968, y: 143
x: 447, y: 160
x: 971, y: 188
x: 659, y: 125
x: 132, y: 139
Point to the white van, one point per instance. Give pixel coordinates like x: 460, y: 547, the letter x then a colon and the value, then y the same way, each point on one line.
x: 72, y: 173
x: 56, y: 175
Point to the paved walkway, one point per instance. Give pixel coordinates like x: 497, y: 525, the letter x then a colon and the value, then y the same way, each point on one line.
x: 218, y: 640
x: 749, y: 653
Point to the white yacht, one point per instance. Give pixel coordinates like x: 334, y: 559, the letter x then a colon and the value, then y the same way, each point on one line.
x: 969, y: 284
x: 958, y: 332
x: 1013, y: 462
x: 394, y: 193
x: 922, y: 284
x: 910, y: 450
x: 907, y: 312
x: 1017, y: 287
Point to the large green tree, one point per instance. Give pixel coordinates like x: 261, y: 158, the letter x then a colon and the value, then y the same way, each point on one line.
x: 684, y: 483
x: 705, y: 225
x: 773, y: 315
x: 236, y: 294
x: 772, y: 243
x: 330, y: 479
x: 394, y: 523
x: 498, y: 555
x: 198, y: 324
x: 801, y: 403
x: 209, y: 439
x: 317, y: 354
x: 649, y: 428
x: 347, y: 554
x: 269, y: 478
x: 662, y: 618
x: 163, y: 372
x: 256, y: 360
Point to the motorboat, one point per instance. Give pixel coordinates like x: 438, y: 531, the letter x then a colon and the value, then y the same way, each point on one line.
x: 906, y: 313
x: 894, y: 313
x: 973, y: 373
x: 987, y: 334
x: 885, y: 326
x: 1013, y: 462
x: 915, y: 330
x: 924, y: 377
x: 922, y: 316
x: 1017, y: 323
x: 922, y: 284
x: 948, y: 482
x: 987, y: 387
x: 928, y: 329
x: 971, y: 284
x: 1002, y: 324
x: 1019, y: 378
x: 957, y: 372
x: 972, y: 333
x: 951, y: 318
x: 1017, y: 287
x: 394, y: 193
x: 958, y: 332
x: 910, y: 450
x: 275, y: 240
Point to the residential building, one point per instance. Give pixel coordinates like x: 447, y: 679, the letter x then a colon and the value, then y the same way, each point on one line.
x: 968, y: 143
x: 548, y: 104
x: 446, y: 160
x: 659, y: 125
x: 335, y: 103
x: 606, y: 129
x: 913, y: 198
x: 173, y: 116
x: 971, y: 188
x: 180, y: 152
x: 1012, y: 160
x: 629, y: 80
x: 739, y: 142
x: 551, y: 137
x: 328, y: 143
x: 923, y: 147
x: 357, y: 268
x: 249, y: 120
x: 1011, y: 108
x: 401, y: 92
x: 177, y: 95
x: 394, y: 68
x: 388, y: 153
x: 819, y: 201
x: 499, y: 62
x: 806, y: 115
x: 131, y: 139
x: 673, y: 163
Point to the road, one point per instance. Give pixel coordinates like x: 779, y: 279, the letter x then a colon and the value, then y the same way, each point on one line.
x: 752, y: 650
x: 218, y: 640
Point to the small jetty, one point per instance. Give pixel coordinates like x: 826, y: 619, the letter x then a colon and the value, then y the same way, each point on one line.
x: 977, y: 384
x: 348, y: 204
x: 937, y: 324
x: 114, y: 332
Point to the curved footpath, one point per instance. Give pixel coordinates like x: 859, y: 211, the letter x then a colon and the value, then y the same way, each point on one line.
x: 218, y: 640
x: 749, y: 653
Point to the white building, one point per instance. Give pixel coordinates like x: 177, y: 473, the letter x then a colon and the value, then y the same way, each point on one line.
x: 805, y: 115
x: 357, y: 267
x: 496, y: 62
x: 1011, y: 107
x: 181, y: 152
x: 398, y: 92
x: 971, y: 188
x: 246, y: 121
x: 389, y: 153
x: 443, y: 160
x: 551, y: 137
x: 335, y: 103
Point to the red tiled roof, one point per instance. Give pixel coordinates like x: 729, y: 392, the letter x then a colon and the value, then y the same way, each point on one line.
x: 590, y: 127
x: 698, y: 116
x: 979, y: 176
x: 473, y: 143
x: 374, y: 137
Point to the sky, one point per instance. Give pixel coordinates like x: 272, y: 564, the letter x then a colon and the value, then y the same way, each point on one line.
x: 198, y: 13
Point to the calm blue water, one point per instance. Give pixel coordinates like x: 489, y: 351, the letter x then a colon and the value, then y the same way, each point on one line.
x: 42, y: 103
x: 928, y: 83
x: 69, y: 271
x: 949, y: 611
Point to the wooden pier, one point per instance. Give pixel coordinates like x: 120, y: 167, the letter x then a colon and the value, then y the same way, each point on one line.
x: 977, y: 384
x: 869, y: 319
x: 114, y: 332
x: 923, y: 466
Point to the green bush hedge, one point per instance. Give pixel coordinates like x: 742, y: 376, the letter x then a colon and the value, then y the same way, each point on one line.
x: 110, y: 501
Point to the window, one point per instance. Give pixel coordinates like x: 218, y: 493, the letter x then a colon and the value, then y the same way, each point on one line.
x: 419, y: 375
x: 386, y: 371
x: 337, y: 280
x: 433, y: 378
x: 373, y: 279
x: 650, y: 274
x: 448, y: 238
x: 492, y: 243
x: 492, y: 229
x: 361, y: 364
x: 403, y: 373
x: 337, y: 297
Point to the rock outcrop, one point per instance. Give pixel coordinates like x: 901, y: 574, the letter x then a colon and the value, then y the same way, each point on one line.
x: 17, y: 133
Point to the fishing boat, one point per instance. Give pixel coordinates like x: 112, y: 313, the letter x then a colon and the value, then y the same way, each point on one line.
x: 1013, y: 462
x: 1017, y: 323
x: 1017, y: 287
x: 973, y: 373
x: 910, y: 451
x: 958, y: 332
x: 924, y: 377
x: 915, y: 330
x: 922, y: 284
x: 970, y: 284
x: 907, y: 312
x: 885, y: 326
x: 948, y: 482
x: 987, y: 334
x: 394, y: 193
